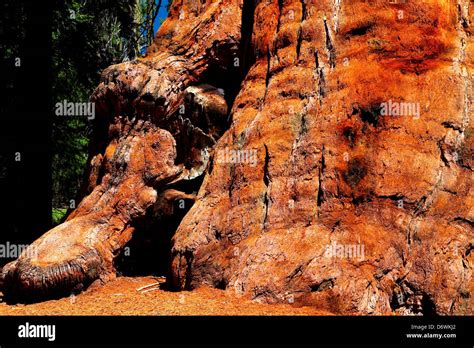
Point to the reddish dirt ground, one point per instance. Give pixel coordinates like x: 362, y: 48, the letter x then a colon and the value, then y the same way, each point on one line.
x: 121, y: 297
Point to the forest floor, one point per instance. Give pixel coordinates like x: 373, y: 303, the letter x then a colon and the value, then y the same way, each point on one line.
x: 122, y: 297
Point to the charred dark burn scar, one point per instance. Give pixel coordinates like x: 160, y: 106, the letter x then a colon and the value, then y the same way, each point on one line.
x: 355, y: 172
x: 370, y: 115
x: 350, y: 134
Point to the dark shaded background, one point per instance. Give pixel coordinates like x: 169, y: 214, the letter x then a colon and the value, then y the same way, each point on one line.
x: 62, y: 57
x: 25, y: 122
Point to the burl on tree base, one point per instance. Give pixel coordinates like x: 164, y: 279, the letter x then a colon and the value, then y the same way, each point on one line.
x: 360, y: 199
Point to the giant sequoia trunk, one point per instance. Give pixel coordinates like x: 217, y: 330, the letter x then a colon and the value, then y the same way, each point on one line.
x: 351, y: 204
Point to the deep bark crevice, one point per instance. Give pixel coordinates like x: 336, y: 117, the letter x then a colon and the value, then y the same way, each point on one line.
x: 330, y: 46
x: 280, y: 14
x: 247, y: 28
x: 322, y: 167
x: 300, y: 30
x: 321, y: 80
x: 266, y: 182
x: 267, y: 76
x: 154, y: 231
x: 298, y: 44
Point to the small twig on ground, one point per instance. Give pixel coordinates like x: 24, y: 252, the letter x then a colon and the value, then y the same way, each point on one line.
x: 147, y: 286
x: 152, y: 289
